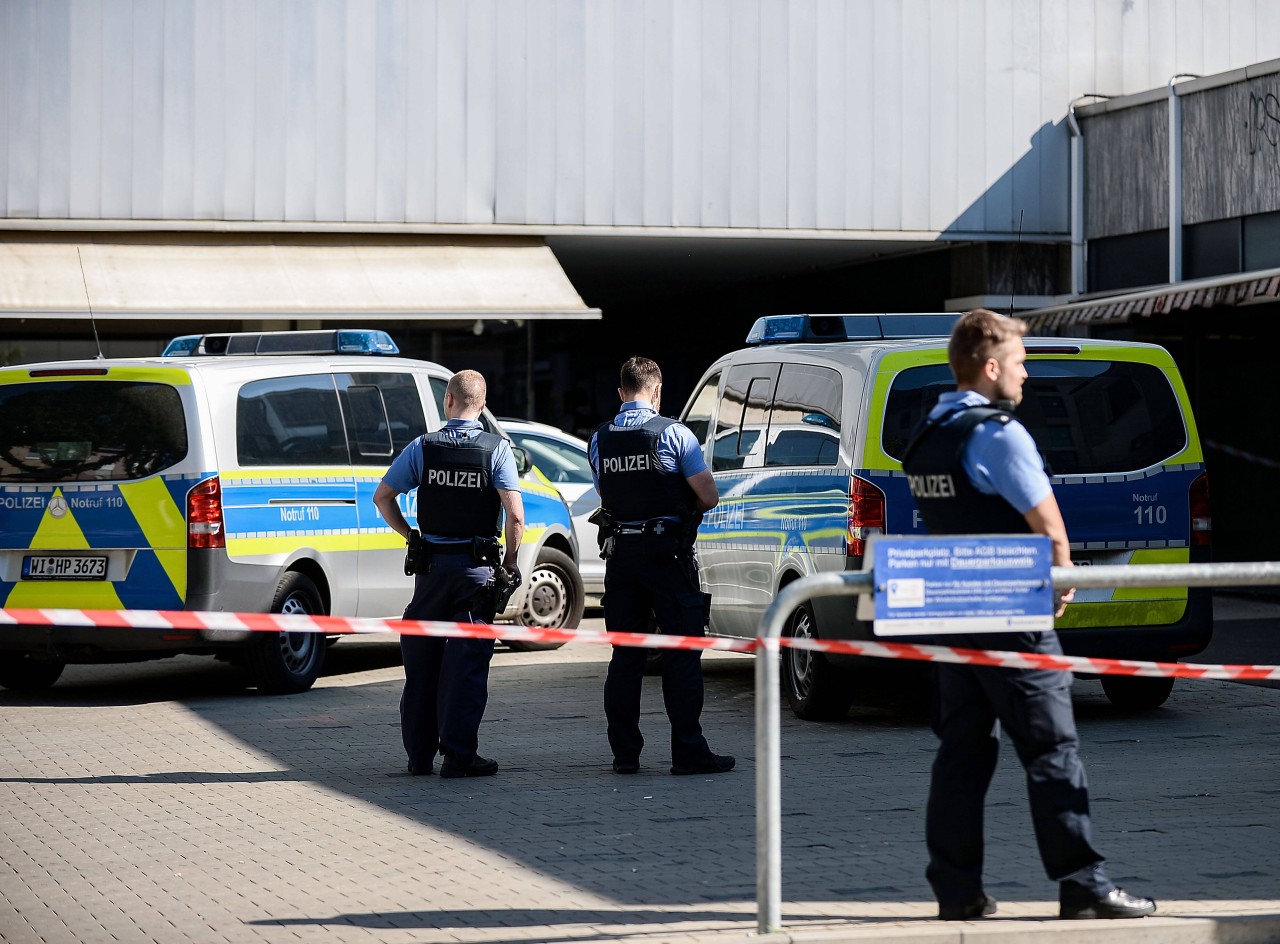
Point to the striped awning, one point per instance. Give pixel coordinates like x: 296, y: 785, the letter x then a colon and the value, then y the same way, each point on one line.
x: 1244, y: 289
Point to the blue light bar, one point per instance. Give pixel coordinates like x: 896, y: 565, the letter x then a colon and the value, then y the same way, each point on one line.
x: 184, y: 345
x: 341, y: 341
x: 778, y: 329
x: 365, y: 341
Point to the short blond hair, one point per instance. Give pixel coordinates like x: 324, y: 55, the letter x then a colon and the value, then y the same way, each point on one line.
x: 975, y: 338
x: 468, y: 389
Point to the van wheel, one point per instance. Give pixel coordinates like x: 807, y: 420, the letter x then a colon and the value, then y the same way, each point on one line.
x: 815, y: 689
x: 554, y: 599
x: 1136, y: 692
x: 288, y: 663
x: 21, y: 673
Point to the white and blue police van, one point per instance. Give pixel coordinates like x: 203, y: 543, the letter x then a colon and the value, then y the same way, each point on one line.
x: 234, y: 473
x: 804, y: 430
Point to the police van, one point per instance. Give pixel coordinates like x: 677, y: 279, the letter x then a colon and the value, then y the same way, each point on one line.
x: 804, y: 430
x: 234, y: 473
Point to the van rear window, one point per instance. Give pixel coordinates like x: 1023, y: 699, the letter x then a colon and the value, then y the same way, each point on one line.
x: 87, y: 431
x: 1087, y: 417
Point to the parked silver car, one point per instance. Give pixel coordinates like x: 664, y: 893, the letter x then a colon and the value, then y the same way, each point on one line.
x: 562, y: 458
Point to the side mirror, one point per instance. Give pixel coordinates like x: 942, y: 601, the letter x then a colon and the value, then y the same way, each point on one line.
x: 523, y: 462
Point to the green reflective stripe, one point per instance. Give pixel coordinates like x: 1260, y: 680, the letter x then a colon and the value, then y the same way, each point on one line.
x: 173, y: 376
x: 164, y: 525
x: 1172, y: 555
x: 1138, y: 614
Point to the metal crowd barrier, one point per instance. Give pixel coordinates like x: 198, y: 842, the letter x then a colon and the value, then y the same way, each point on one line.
x: 768, y: 720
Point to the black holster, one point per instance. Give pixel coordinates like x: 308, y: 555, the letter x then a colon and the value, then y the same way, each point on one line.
x: 486, y: 550
x: 608, y: 529
x: 503, y: 584
x: 417, y: 557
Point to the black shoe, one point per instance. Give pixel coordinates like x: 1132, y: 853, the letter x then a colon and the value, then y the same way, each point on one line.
x: 478, y: 767
x: 1117, y: 903
x: 625, y: 766
x: 715, y: 764
x: 980, y: 908
x: 416, y: 771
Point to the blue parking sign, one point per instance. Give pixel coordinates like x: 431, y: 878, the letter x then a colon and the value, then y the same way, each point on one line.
x: 962, y: 584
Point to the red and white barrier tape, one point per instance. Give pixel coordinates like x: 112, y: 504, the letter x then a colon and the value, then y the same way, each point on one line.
x: 193, y: 621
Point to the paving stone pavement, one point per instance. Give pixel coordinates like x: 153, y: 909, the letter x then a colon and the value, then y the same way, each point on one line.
x: 163, y: 803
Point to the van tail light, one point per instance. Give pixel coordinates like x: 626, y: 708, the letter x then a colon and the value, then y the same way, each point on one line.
x: 866, y: 514
x: 1201, y: 516
x: 204, y: 515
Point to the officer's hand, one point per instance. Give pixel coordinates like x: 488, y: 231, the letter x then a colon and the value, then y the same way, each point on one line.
x: 1063, y: 599
x: 514, y: 571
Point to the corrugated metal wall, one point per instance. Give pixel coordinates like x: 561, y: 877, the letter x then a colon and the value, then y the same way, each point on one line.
x: 891, y: 115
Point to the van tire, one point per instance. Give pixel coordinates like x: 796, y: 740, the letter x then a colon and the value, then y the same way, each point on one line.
x: 816, y: 690
x: 1137, y: 692
x: 289, y: 663
x: 21, y: 673
x: 554, y: 599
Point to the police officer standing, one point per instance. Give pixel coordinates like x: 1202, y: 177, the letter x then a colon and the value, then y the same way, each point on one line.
x: 654, y: 486
x: 466, y: 479
x: 997, y: 485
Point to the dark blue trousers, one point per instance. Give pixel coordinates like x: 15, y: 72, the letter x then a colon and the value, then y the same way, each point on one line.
x: 637, y: 588
x: 446, y: 681
x: 1034, y: 707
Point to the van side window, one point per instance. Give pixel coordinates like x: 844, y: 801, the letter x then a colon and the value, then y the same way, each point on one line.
x: 383, y: 411
x: 438, y: 388
x: 804, y: 425
x: 368, y: 430
x: 743, y: 417
x: 290, y: 421
x: 703, y: 409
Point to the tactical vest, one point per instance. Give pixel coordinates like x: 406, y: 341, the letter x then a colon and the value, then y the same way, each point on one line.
x: 948, y: 502
x: 633, y: 484
x: 456, y: 497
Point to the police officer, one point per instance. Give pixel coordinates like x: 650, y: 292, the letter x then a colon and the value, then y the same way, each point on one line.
x: 654, y: 486
x: 973, y: 469
x: 466, y: 479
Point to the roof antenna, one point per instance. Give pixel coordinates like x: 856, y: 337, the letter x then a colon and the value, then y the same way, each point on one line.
x: 93, y: 321
x: 1013, y: 281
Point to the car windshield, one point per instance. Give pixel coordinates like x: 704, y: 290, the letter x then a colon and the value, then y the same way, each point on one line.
x: 1087, y: 417
x: 560, y: 462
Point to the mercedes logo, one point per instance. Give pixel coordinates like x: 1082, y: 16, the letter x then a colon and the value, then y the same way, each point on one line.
x: 57, y: 506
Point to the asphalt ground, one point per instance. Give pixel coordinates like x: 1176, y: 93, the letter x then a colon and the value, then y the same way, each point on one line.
x: 164, y: 803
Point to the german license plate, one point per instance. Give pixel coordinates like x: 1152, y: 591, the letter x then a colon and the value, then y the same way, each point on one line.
x: 63, y: 567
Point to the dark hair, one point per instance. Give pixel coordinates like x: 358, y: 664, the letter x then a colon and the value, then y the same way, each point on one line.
x: 974, y: 339
x: 638, y: 374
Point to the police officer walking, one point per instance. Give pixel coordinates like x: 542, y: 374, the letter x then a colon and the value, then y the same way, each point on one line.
x: 997, y: 485
x: 466, y: 479
x: 654, y: 486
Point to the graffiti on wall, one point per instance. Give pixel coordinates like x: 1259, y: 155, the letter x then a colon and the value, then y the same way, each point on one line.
x: 1264, y: 121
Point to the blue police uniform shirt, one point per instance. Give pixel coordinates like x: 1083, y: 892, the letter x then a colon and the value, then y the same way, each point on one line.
x: 678, y: 449
x: 1000, y: 459
x: 406, y: 470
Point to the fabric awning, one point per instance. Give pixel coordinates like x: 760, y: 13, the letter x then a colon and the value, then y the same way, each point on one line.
x: 1234, y: 290
x: 304, y: 276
